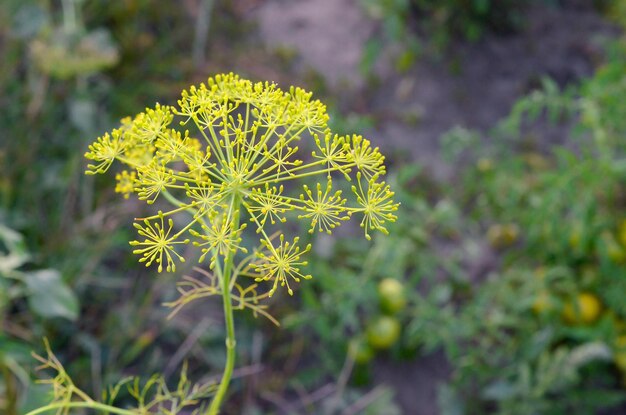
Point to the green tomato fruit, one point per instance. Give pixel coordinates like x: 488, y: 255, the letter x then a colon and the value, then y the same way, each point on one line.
x: 383, y: 332
x: 391, y: 295
x: 584, y: 309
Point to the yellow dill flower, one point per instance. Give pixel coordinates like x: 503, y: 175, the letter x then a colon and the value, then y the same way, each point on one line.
x: 240, y: 166
x: 204, y: 199
x: 282, y: 264
x: 305, y: 112
x: 324, y: 209
x: 173, y: 146
x: 200, y: 167
x: 158, y: 244
x: 151, y: 124
x: 368, y: 160
x: 332, y: 152
x: 152, y: 180
x: 376, y: 204
x: 137, y: 154
x: 104, y: 151
x: 125, y: 183
x: 267, y: 203
x: 221, y: 238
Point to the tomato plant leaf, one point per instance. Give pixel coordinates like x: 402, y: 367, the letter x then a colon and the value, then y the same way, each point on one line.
x: 49, y: 296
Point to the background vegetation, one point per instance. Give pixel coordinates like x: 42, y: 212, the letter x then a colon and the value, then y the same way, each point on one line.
x: 510, y: 269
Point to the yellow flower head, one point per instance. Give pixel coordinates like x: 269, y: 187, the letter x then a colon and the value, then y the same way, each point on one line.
x: 125, y: 183
x: 228, y: 153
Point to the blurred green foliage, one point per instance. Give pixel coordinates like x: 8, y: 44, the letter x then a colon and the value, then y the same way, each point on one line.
x: 59, y: 234
x: 514, y: 267
x: 489, y: 260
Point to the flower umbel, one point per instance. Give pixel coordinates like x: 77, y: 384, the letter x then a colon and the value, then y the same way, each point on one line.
x: 267, y: 203
x: 377, y: 205
x: 249, y: 149
x: 221, y: 238
x: 325, y: 210
x: 104, y: 151
x: 282, y: 264
x: 125, y: 183
x: 158, y: 243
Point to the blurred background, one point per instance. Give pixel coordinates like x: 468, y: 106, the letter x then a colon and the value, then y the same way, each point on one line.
x: 501, y: 288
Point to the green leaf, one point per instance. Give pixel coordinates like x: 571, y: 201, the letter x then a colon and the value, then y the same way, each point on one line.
x: 50, y: 296
x: 13, y: 348
x: 29, y: 20
x: 449, y: 401
x: 500, y: 390
x: 36, y: 396
x: 13, y: 252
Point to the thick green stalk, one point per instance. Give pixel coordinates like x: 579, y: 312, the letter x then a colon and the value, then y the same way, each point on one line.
x: 231, y: 342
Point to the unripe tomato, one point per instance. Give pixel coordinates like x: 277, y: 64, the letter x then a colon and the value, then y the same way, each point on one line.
x: 359, y: 350
x: 585, y: 309
x: 391, y: 295
x: 383, y: 332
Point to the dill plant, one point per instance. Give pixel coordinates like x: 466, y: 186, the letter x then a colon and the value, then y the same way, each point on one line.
x: 233, y: 162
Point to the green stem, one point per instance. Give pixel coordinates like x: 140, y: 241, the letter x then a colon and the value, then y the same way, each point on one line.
x: 91, y: 405
x: 10, y: 391
x: 231, y: 342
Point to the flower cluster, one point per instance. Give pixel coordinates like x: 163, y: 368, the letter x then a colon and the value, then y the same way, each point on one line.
x: 238, y: 158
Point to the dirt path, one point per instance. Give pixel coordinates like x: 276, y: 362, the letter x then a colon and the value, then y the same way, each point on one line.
x: 327, y: 34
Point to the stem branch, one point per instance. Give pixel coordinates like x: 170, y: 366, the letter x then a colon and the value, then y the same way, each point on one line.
x: 91, y: 405
x: 231, y: 342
